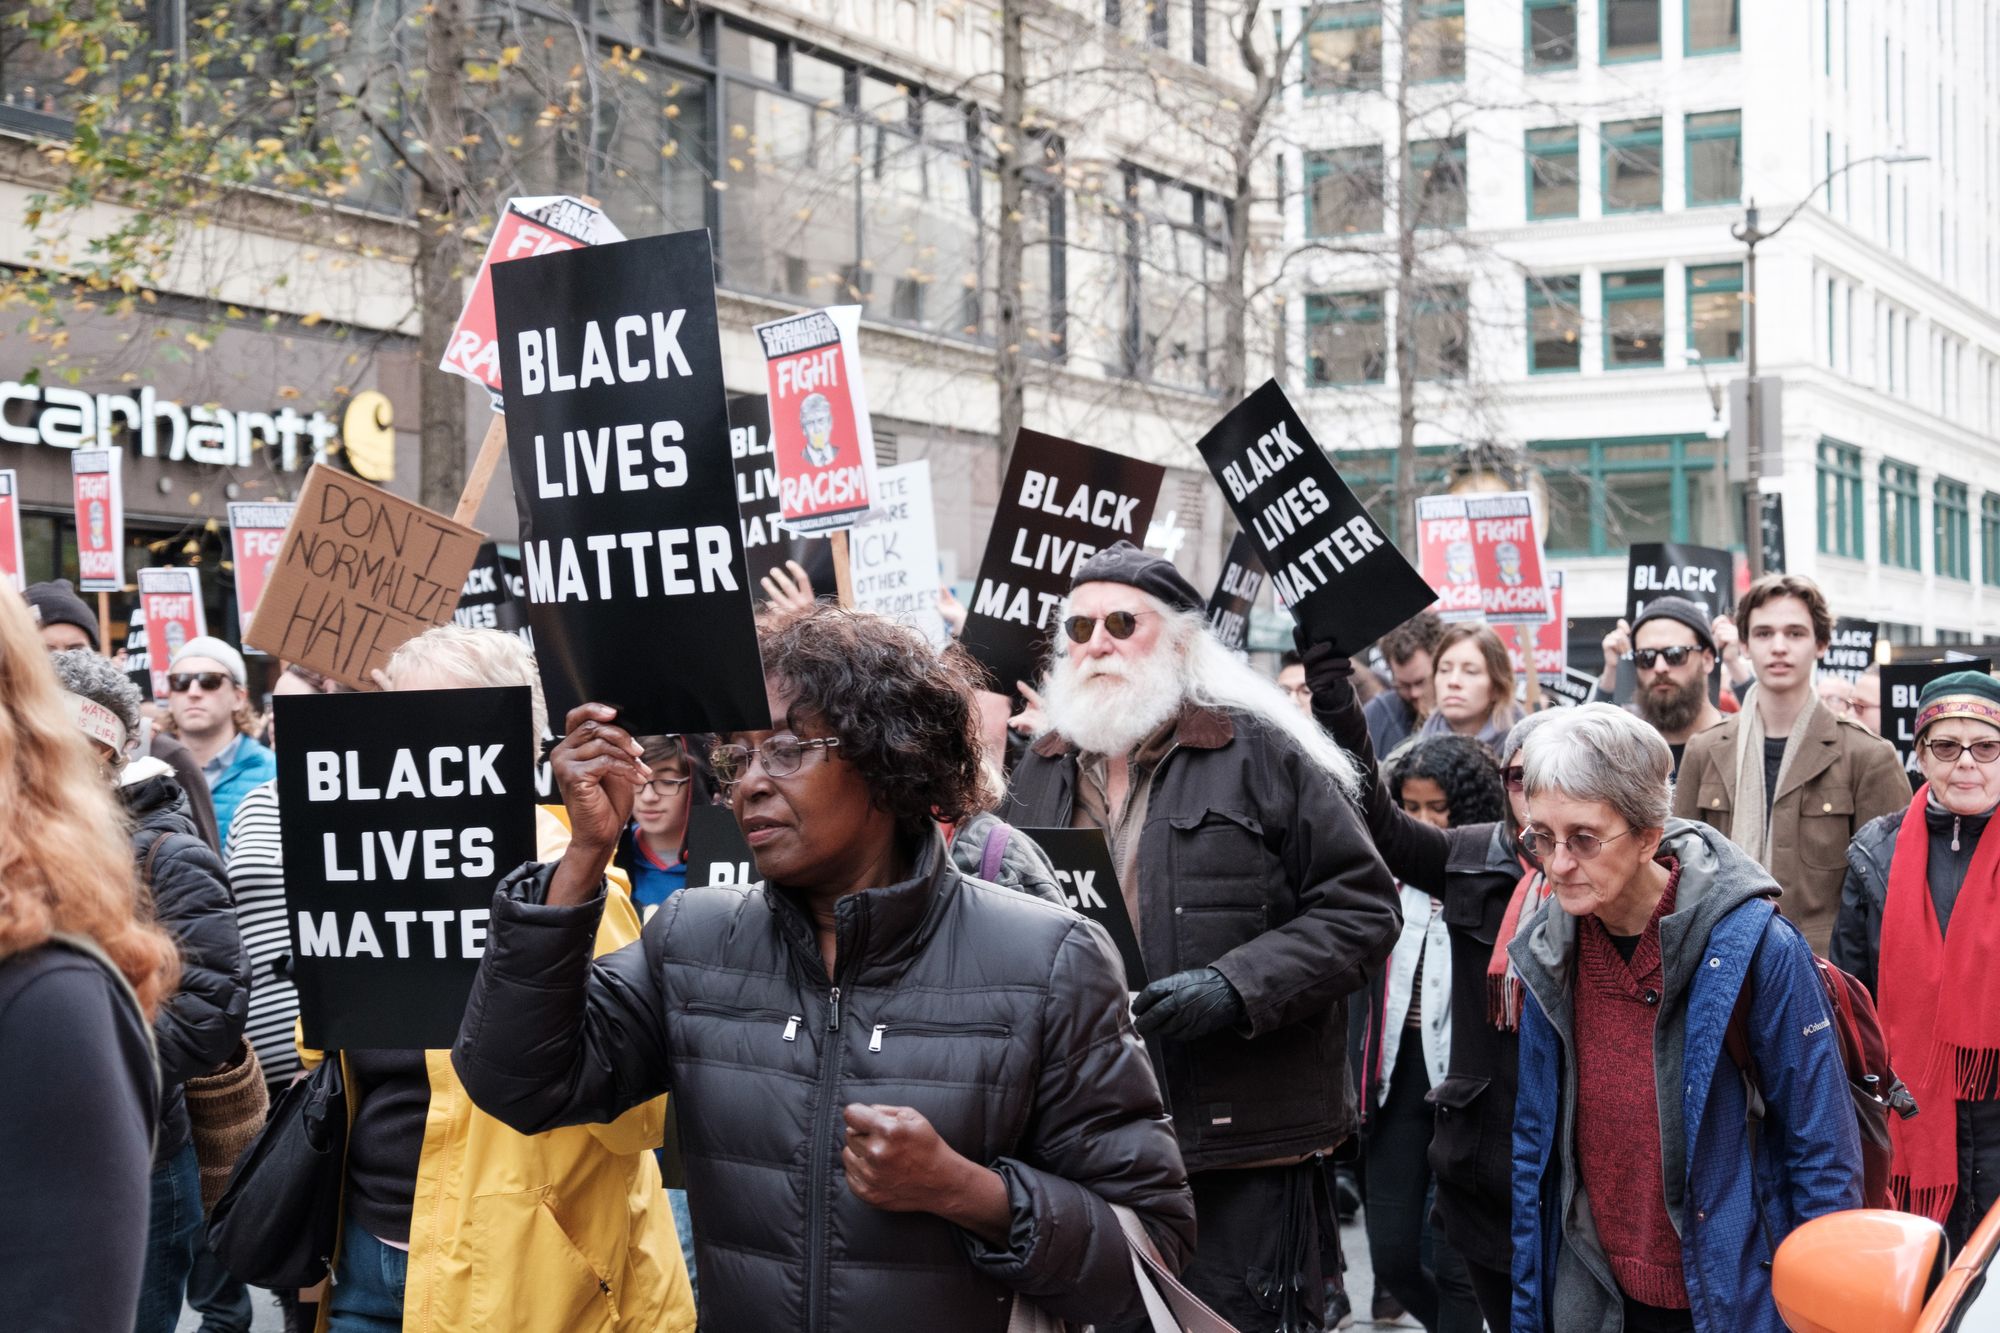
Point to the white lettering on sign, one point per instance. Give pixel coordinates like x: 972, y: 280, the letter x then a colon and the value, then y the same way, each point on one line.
x: 556, y: 571
x: 1079, y: 889
x: 612, y: 454
x: 1269, y: 453
x: 1315, y: 567
x: 320, y: 935
x: 1105, y: 509
x: 1682, y: 579
x: 60, y: 417
x: 452, y: 770
x: 646, y: 348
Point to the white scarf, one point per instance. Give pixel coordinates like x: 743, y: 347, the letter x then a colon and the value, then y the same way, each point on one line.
x: 1751, y: 828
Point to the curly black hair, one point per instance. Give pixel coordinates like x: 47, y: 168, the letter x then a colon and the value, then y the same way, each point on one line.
x: 1464, y: 770
x: 904, y: 712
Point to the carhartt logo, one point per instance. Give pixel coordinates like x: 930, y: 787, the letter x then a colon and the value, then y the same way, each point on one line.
x: 1820, y: 1026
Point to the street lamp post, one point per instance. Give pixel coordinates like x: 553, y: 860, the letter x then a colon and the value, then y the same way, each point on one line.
x: 1751, y: 233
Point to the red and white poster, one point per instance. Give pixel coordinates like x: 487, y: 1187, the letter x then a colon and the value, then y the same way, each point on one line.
x: 1509, y: 552
x: 256, y: 536
x: 1551, y: 638
x: 1446, y: 557
x: 10, y: 532
x: 539, y: 225
x: 821, y: 437
x: 170, y: 599
x: 100, y: 518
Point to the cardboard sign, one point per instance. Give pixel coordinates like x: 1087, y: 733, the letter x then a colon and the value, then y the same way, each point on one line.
x: 529, y: 226
x: 361, y: 573
x: 1062, y: 502
x: 1550, y: 638
x: 766, y: 545
x: 1334, y: 568
x: 893, y: 555
x: 256, y: 537
x: 1089, y: 882
x: 98, y: 478
x: 12, y: 572
x: 718, y: 856
x: 1236, y: 593
x: 402, y: 811
x: 1902, y: 685
x: 618, y: 435
x: 170, y: 600
x: 1701, y: 574
x: 1852, y: 650
x: 821, y: 436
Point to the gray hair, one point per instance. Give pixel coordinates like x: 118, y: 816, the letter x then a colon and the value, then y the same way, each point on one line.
x: 1518, y: 734
x: 85, y: 674
x: 474, y: 659
x: 1602, y: 753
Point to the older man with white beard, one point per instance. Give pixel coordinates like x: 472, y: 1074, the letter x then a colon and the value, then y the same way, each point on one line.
x: 1257, y: 896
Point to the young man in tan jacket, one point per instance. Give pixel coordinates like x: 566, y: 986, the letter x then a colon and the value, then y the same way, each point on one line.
x: 1787, y: 780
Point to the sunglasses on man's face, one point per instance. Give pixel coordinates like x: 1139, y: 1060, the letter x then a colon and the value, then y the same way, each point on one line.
x: 180, y: 682
x: 1119, y: 625
x: 1647, y: 658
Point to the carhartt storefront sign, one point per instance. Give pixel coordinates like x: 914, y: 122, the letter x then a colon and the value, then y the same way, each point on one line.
x: 65, y: 418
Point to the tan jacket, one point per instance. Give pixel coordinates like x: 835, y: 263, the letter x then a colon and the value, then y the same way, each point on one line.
x: 1843, y: 776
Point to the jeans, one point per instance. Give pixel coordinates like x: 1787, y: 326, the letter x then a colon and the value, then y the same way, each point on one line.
x: 223, y: 1302
x: 684, y: 1226
x: 367, y: 1293
x: 1396, y: 1156
x: 172, y: 1230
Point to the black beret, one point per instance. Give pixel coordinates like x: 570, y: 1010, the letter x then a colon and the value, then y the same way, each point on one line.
x: 1122, y: 562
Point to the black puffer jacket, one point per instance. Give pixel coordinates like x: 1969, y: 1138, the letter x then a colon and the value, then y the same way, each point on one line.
x: 1254, y: 864
x: 1000, y: 1018
x: 200, y: 1026
x: 1024, y: 866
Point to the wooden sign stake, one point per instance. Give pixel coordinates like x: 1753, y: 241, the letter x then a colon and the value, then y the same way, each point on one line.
x: 491, y: 450
x: 843, y: 575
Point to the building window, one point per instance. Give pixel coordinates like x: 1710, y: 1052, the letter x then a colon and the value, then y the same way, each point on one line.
x: 1715, y: 311
x: 1631, y: 29
x: 1198, y: 34
x: 1439, y: 187
x: 1555, y: 324
x: 1840, y: 521
x: 1989, y: 539
x: 1373, y: 475
x: 1437, y: 41
x: 1443, y: 333
x: 1157, y: 16
x: 1632, y: 166
x: 1717, y: 25
x: 1175, y: 250
x: 1344, y: 191
x: 1346, y: 339
x: 1715, y: 157
x: 1344, y: 48
x: 1901, y: 520
x: 1552, y: 172
x: 1551, y: 35
x: 1635, y: 319
x: 1951, y: 548
x: 1604, y: 495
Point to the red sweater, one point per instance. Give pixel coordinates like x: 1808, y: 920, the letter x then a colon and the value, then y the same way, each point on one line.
x: 1622, y: 1168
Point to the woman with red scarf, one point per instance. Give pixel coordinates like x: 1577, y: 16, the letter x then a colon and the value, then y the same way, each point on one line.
x: 1920, y: 926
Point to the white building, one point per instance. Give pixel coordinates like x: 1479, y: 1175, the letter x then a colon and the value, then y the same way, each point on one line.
x: 1607, y: 146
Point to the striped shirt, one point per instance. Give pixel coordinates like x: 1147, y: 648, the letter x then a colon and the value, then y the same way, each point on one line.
x: 257, y: 878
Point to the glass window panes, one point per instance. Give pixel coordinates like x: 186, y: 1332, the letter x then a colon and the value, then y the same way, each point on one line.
x: 1632, y: 165
x: 1715, y: 157
x: 654, y: 149
x: 1347, y: 341
x: 1989, y: 539
x: 791, y: 178
x: 746, y: 52
x: 1896, y: 485
x: 1717, y: 25
x: 1439, y: 165
x: 1606, y: 494
x: 1631, y: 29
x: 1952, y: 539
x: 1437, y: 41
x: 1715, y: 311
x: 1567, y: 475
x: 1555, y: 324
x: 1173, y: 260
x: 818, y: 80
x: 1344, y: 191
x: 1552, y: 172
x: 1840, y: 516
x: 1443, y: 332
x: 919, y: 230
x: 1635, y: 327
x: 1344, y: 48
x: 1551, y: 34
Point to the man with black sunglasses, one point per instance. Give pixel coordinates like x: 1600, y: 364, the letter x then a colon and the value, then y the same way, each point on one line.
x: 207, y: 699
x: 1673, y: 648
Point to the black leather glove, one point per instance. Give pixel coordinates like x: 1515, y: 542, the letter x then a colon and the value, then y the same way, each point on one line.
x: 1327, y: 669
x: 1187, y: 1005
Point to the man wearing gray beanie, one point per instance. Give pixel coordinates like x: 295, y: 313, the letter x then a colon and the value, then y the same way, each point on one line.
x: 206, y: 695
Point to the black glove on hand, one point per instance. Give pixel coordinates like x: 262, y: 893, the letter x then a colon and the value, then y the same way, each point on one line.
x: 1187, y: 1005
x: 1328, y: 670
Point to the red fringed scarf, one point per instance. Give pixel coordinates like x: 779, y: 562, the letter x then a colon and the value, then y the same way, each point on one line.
x: 1504, y: 987
x: 1948, y: 1051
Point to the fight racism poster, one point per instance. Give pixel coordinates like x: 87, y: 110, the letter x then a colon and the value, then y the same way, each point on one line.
x: 11, y: 571
x: 766, y: 544
x: 171, y: 601
x: 256, y: 539
x: 821, y: 438
x: 1550, y: 638
x: 100, y: 518
x: 1483, y: 555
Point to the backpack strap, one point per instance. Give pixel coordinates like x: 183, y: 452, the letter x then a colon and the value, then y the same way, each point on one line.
x: 994, y: 850
x: 91, y: 949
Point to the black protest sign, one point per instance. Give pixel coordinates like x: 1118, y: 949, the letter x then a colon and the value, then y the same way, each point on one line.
x: 1704, y: 575
x: 718, y: 855
x: 1062, y: 503
x: 1902, y: 685
x: 1333, y: 567
x: 1089, y: 883
x: 1236, y: 592
x: 766, y: 545
x: 487, y: 600
x: 1571, y: 689
x: 402, y: 811
x: 1852, y: 650
x: 618, y: 435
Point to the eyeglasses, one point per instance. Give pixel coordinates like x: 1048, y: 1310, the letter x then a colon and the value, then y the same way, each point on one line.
x: 180, y: 682
x: 1119, y: 624
x: 1583, y: 846
x: 666, y: 786
x: 1514, y: 776
x: 781, y: 756
x: 1647, y: 658
x: 1948, y: 752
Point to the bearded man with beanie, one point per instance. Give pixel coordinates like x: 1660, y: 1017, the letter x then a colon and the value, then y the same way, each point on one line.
x: 1258, y: 899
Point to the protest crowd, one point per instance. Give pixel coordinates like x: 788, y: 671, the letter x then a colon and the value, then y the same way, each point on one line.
x: 1037, y: 961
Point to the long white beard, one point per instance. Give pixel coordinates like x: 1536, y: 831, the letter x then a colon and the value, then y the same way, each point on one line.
x: 1107, y: 705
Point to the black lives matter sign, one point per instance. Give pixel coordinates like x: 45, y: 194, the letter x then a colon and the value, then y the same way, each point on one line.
x: 1235, y: 595
x: 402, y: 811
x: 1331, y: 564
x: 1704, y: 575
x: 618, y: 436
x: 1089, y: 884
x: 1062, y: 503
x: 1852, y: 649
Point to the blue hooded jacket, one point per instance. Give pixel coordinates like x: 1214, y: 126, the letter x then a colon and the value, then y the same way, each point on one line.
x: 1730, y: 1205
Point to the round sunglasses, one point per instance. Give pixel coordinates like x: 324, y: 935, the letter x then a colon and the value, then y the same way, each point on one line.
x: 1119, y: 625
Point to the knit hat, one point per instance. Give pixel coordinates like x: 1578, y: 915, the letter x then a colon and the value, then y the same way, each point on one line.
x: 214, y: 649
x: 1122, y: 562
x: 1682, y: 610
x: 56, y: 603
x: 1972, y: 694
